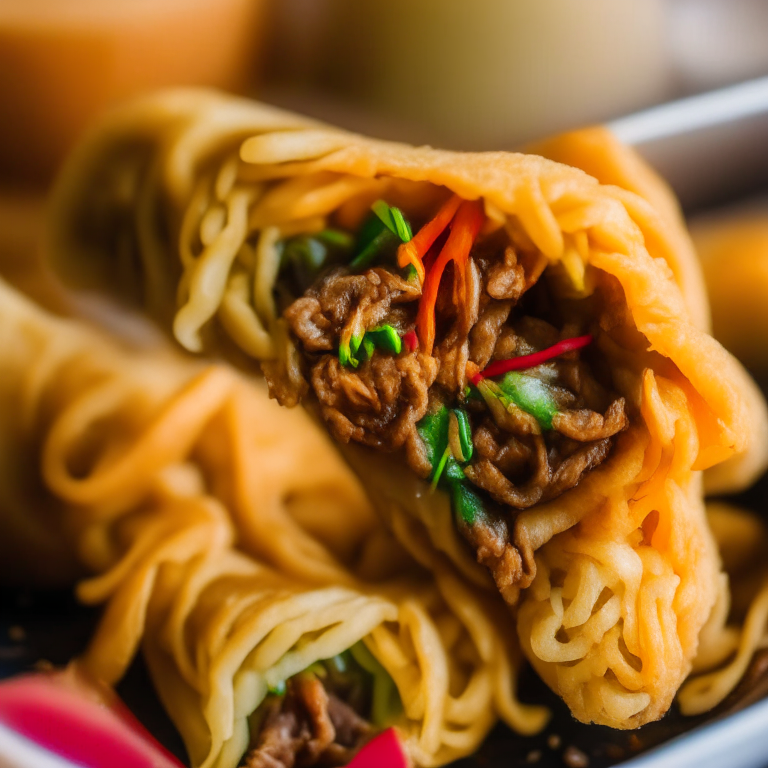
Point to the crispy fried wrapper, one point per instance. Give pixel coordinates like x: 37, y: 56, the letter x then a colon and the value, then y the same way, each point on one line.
x: 721, y: 267
x: 186, y: 196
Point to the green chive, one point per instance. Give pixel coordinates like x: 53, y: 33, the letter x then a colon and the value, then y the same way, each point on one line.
x: 433, y: 430
x: 368, y: 348
x: 384, y: 230
x: 336, y: 237
x: 385, y: 704
x: 346, y: 356
x: 383, y: 240
x: 440, y: 467
x: 465, y: 433
x: 393, y: 219
x: 402, y: 227
x: 387, y: 338
x: 278, y: 689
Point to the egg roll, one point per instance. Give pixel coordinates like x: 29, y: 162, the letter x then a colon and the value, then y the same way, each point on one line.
x: 505, y: 349
x: 93, y: 424
x: 164, y: 481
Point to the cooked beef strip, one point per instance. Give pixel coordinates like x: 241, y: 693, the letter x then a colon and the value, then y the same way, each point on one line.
x: 484, y: 338
x: 505, y: 279
x: 585, y: 426
x: 377, y: 404
x: 342, y: 302
x: 308, y: 726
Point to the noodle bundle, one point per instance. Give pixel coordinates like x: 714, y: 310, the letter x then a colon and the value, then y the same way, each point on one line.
x: 136, y: 462
x: 522, y: 377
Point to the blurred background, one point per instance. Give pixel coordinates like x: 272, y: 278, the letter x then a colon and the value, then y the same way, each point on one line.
x: 453, y: 73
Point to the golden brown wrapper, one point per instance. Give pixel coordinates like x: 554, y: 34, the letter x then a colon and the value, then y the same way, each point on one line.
x: 724, y: 292
x: 220, y: 181
x: 599, y: 153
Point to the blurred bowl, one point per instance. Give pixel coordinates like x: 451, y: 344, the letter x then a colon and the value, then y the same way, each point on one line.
x: 487, y: 74
x: 63, y: 61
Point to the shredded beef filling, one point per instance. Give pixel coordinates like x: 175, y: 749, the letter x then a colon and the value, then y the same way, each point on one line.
x: 308, y: 726
x: 517, y: 462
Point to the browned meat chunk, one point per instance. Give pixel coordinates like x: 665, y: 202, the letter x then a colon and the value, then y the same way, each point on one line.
x: 506, y: 278
x: 307, y: 727
x: 343, y: 302
x: 377, y: 404
x: 491, y: 539
x: 585, y: 425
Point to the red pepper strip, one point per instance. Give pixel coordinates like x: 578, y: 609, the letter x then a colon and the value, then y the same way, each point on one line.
x: 530, y: 361
x: 414, y: 251
x: 411, y: 341
x: 464, y: 230
x: 384, y: 751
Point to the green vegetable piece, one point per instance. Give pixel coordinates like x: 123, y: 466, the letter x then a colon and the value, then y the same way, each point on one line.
x: 393, y: 219
x: 437, y: 471
x: 382, y: 231
x: 531, y: 395
x: 471, y: 392
x: 386, y: 337
x: 372, y: 227
x: 345, y: 356
x: 367, y: 350
x: 433, y: 430
x: 344, y: 352
x: 381, y: 242
x: 465, y: 433
x: 386, y: 704
x: 453, y: 470
x: 348, y: 351
x: 304, y: 256
x: 278, y: 689
x: 467, y: 505
x: 336, y: 237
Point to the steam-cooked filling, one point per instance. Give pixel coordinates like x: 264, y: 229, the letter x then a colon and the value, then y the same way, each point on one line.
x: 323, y: 715
x: 456, y: 356
x: 307, y: 726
